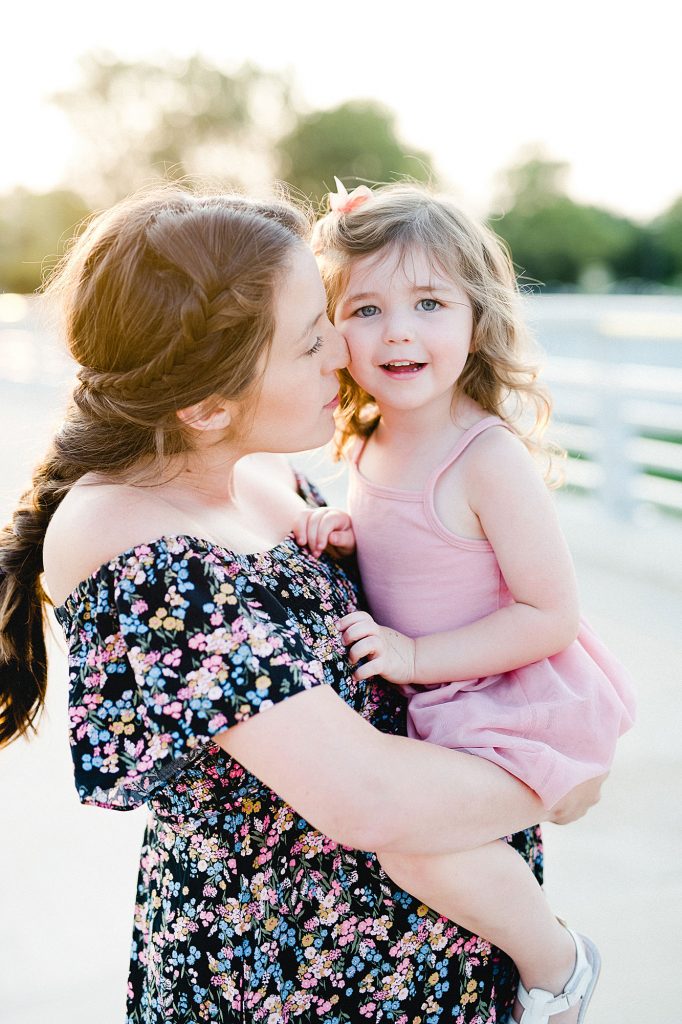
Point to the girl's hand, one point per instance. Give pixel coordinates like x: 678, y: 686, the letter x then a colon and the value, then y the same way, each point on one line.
x: 384, y: 652
x: 325, y: 529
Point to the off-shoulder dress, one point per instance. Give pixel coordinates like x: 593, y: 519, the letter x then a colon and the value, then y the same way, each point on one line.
x: 246, y: 912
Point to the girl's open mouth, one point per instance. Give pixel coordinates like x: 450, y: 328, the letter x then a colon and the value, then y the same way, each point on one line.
x: 402, y: 367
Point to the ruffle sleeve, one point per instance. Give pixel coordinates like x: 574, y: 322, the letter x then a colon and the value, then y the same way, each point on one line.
x: 175, y: 643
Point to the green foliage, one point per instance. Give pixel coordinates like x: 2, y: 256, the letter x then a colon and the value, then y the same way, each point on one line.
x: 137, y: 122
x: 141, y: 121
x: 555, y: 240
x: 665, y: 239
x: 34, y: 229
x: 356, y: 141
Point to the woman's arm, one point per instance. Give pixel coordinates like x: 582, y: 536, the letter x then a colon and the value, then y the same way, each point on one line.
x: 369, y: 790
x: 517, y: 516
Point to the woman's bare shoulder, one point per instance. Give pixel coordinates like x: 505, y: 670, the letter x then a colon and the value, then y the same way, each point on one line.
x: 94, y: 523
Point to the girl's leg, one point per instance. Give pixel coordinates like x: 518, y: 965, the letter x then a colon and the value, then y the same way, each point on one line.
x: 492, y: 892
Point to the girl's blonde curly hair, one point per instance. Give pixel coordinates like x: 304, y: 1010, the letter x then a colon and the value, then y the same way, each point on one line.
x: 500, y: 373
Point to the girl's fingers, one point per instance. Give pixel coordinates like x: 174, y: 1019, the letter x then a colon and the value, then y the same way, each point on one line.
x: 300, y: 528
x: 365, y: 648
x: 369, y: 669
x: 358, y: 631
x: 321, y: 525
x: 349, y: 620
x: 339, y: 536
x: 316, y: 538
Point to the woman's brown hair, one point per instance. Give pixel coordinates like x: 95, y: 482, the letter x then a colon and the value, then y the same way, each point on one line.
x: 167, y: 299
x: 498, y: 375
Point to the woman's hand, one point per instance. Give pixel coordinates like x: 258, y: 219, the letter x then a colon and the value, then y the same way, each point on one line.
x: 578, y: 802
x: 325, y: 529
x: 384, y: 652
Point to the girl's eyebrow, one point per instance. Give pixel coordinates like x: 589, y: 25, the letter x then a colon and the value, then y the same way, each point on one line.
x: 358, y: 296
x: 432, y: 286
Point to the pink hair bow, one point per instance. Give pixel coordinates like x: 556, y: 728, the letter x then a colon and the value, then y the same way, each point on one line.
x: 343, y: 201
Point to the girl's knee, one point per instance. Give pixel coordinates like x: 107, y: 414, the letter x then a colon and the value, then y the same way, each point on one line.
x: 402, y: 868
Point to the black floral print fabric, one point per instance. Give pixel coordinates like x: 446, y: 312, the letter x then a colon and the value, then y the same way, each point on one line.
x: 246, y: 912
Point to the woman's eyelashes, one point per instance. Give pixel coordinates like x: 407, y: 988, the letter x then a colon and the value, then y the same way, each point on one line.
x: 319, y: 342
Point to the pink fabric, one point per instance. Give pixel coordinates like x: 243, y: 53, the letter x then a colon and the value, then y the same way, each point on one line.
x: 553, y: 723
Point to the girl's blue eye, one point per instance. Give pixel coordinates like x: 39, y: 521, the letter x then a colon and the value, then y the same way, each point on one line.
x: 366, y: 311
x: 428, y: 305
x: 316, y: 347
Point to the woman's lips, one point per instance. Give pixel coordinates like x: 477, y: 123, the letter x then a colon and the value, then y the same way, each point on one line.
x: 334, y: 402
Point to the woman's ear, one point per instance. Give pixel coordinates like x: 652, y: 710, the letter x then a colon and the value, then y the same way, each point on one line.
x: 211, y: 414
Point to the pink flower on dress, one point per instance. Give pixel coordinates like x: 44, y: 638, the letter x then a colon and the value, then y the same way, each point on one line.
x: 343, y: 201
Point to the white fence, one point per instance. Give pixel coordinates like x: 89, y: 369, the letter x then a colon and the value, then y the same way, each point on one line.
x: 618, y: 403
x: 622, y: 426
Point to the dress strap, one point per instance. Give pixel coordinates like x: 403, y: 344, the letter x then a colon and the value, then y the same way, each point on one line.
x: 463, y: 443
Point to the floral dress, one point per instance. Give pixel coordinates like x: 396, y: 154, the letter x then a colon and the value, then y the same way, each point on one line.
x: 245, y: 911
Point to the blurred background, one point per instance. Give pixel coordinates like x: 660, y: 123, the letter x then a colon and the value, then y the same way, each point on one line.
x: 559, y: 124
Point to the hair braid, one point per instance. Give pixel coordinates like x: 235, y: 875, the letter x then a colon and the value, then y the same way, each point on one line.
x: 168, y: 300
x: 23, y: 658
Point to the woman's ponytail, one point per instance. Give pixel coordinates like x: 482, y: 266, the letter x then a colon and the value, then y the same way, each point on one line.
x: 23, y: 660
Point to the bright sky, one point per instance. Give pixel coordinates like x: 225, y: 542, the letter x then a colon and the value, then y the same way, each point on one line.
x: 597, y: 82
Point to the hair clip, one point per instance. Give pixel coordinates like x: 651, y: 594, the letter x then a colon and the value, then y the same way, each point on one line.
x: 343, y: 201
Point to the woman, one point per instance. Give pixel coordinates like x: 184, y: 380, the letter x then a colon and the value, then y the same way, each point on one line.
x: 163, y: 524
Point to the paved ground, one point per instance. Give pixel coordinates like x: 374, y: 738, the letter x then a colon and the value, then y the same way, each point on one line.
x: 67, y: 873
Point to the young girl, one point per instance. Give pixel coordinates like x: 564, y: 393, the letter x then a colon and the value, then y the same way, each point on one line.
x: 468, y: 577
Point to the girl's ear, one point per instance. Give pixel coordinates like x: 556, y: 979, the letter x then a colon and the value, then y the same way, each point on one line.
x: 211, y: 414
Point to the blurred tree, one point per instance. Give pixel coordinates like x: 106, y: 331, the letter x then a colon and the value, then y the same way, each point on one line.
x: 553, y: 239
x: 533, y: 182
x: 665, y: 243
x: 141, y: 121
x: 355, y: 141
x: 34, y: 229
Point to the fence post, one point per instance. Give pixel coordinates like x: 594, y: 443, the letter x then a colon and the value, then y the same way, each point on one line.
x: 615, y: 434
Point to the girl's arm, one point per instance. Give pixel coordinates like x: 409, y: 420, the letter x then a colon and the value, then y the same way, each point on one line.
x: 517, y: 515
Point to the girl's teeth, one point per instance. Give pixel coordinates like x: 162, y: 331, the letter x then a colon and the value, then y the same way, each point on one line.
x: 406, y: 364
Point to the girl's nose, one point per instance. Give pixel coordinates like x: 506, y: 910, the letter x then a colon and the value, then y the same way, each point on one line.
x: 397, y: 330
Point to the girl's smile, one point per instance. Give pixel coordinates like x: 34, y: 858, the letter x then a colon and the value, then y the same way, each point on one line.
x: 408, y: 328
x: 402, y: 368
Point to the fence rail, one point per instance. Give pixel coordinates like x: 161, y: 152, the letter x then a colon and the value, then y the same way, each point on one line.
x: 622, y: 427
x: 618, y: 415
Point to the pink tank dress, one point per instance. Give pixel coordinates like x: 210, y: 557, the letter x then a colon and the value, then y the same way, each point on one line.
x: 553, y: 723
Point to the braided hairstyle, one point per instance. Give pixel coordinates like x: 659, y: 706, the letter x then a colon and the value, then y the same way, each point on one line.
x: 167, y: 300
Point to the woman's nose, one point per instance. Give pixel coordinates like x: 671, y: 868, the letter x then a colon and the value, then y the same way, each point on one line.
x: 338, y: 349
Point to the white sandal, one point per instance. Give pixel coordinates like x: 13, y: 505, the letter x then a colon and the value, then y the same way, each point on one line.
x: 539, y: 1005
